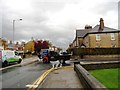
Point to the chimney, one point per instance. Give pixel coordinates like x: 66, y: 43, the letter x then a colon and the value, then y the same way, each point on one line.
x: 101, y: 24
x: 88, y: 27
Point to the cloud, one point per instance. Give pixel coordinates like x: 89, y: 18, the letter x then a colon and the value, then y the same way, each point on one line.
x: 55, y: 20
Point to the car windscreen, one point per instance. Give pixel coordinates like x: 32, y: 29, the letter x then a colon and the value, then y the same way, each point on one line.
x: 52, y: 53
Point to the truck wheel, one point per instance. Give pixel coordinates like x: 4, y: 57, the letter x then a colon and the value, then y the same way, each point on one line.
x: 44, y: 61
x: 5, y: 63
x: 19, y: 60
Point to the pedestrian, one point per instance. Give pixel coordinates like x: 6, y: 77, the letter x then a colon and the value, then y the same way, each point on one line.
x: 54, y: 59
x: 55, y: 63
x: 39, y: 56
x: 61, y: 61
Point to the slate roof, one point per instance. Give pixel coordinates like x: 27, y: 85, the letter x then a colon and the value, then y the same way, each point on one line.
x: 96, y: 30
x: 82, y: 32
x: 85, y: 32
x: 106, y: 29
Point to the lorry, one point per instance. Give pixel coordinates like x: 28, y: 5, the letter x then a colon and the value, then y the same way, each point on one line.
x: 8, y: 56
x: 48, y: 55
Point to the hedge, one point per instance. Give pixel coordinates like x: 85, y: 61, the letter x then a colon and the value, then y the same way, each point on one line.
x: 94, y: 51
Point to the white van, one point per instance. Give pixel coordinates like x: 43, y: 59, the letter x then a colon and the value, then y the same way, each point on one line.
x: 8, y: 56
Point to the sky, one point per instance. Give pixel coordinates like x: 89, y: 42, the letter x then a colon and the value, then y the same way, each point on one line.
x: 54, y: 20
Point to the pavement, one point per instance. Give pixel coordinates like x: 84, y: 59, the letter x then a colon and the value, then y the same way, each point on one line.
x: 25, y: 61
x: 62, y: 78
x: 30, y: 59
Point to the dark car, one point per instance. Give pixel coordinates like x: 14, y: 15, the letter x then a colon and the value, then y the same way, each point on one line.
x: 53, y: 56
x: 65, y: 56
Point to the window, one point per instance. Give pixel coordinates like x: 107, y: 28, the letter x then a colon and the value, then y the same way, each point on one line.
x: 113, y: 46
x: 98, y: 37
x: 97, y: 46
x: 112, y: 36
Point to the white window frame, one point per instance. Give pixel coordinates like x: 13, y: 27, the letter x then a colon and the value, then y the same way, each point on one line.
x: 112, y: 36
x: 98, y: 38
x: 97, y: 46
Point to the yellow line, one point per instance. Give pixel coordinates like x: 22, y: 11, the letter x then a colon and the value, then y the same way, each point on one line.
x: 43, y: 76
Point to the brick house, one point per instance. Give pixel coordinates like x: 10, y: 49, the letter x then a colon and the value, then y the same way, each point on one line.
x: 102, y: 36
x: 80, y: 33
x: 99, y: 36
x: 29, y: 46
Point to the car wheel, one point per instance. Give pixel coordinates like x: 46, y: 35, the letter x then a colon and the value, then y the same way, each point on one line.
x: 5, y: 63
x: 19, y: 60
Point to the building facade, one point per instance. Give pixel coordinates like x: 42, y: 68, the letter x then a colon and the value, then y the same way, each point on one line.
x: 29, y: 46
x: 80, y: 33
x: 98, y: 37
x: 102, y: 40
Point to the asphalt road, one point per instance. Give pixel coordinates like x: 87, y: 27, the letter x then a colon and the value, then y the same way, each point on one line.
x: 19, y: 77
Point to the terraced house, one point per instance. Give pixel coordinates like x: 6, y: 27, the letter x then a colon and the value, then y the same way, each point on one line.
x: 98, y: 37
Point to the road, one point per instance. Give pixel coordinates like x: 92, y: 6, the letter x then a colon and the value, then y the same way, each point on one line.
x: 19, y: 77
x: 26, y: 74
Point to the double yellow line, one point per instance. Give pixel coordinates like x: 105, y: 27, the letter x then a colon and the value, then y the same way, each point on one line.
x: 43, y: 76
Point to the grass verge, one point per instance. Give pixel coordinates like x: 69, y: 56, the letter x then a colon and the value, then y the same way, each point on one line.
x: 108, y: 77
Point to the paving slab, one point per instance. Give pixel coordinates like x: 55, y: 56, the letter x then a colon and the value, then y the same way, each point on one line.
x: 62, y: 78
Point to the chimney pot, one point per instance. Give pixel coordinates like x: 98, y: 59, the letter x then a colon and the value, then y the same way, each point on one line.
x: 88, y: 27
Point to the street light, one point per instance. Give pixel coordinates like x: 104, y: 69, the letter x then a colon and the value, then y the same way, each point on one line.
x: 14, y: 27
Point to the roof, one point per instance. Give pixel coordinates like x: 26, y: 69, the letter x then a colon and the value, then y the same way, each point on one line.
x: 82, y: 32
x: 106, y: 29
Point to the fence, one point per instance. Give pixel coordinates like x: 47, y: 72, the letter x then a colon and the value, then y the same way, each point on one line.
x: 95, y: 51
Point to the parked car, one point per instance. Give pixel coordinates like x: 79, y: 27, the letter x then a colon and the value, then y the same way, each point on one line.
x: 8, y: 56
x: 65, y: 56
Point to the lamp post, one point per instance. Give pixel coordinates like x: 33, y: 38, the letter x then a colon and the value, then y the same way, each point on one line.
x: 14, y: 28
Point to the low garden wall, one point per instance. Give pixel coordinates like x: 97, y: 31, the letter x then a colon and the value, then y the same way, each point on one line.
x: 103, y: 65
x: 87, y: 79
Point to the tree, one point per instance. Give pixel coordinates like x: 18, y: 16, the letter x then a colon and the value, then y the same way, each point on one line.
x: 38, y: 46
x: 45, y: 45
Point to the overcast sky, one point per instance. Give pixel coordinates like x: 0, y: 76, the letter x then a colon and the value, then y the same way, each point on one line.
x: 54, y: 20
